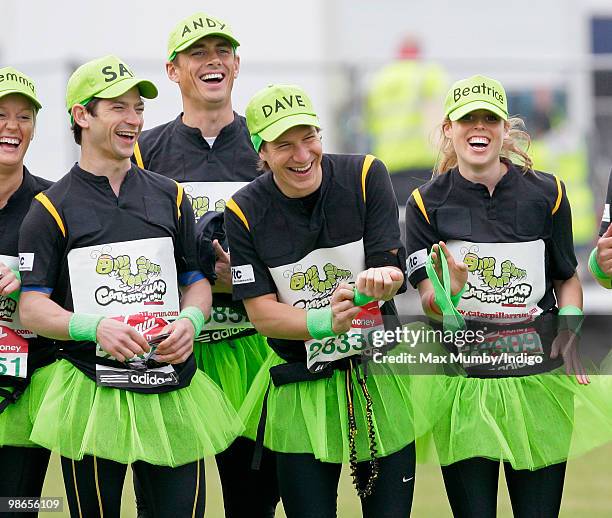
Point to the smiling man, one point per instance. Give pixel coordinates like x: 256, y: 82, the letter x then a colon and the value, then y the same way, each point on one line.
x: 207, y: 149
x: 102, y: 254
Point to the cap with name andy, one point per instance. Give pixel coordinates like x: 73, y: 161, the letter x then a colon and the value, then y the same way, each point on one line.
x: 195, y: 27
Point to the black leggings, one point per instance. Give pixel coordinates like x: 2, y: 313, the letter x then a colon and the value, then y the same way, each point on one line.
x: 23, y: 472
x: 309, y: 487
x: 94, y: 487
x: 246, y: 492
x: 471, y: 486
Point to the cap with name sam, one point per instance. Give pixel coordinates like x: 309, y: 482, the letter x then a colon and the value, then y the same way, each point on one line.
x: 105, y: 78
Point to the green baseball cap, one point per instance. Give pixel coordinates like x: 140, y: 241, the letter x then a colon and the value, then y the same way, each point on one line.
x: 475, y: 93
x: 14, y: 82
x: 106, y: 78
x: 277, y: 108
x: 195, y: 27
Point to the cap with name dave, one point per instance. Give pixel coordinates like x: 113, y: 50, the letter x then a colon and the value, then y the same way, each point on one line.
x: 195, y: 27
x: 277, y: 108
x: 106, y: 78
x: 475, y: 93
x: 14, y: 82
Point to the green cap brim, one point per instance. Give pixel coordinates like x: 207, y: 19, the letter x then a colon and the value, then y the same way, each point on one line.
x: 186, y: 44
x: 276, y: 129
x: 147, y: 89
x: 257, y: 141
x: 21, y: 92
x: 476, y: 105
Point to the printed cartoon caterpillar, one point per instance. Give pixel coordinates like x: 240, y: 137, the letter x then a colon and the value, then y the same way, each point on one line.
x: 121, y: 267
x: 311, y: 279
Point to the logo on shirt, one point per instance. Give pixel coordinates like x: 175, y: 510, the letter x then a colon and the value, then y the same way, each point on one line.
x: 318, y: 287
x: 137, y: 282
x: 501, y: 285
x: 7, y: 309
x: 243, y: 274
x: 26, y: 262
x: 201, y: 205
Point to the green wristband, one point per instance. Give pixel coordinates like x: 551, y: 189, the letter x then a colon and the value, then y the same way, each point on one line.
x: 15, y: 294
x: 456, y: 298
x: 195, y: 316
x: 451, y: 318
x: 319, y: 323
x: 571, y: 318
x: 83, y: 327
x: 596, y: 270
x: 360, y: 299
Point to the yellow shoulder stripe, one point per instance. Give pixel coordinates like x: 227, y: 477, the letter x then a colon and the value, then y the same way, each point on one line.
x: 367, y: 162
x: 419, y: 201
x: 138, y: 156
x: 179, y: 197
x: 233, y: 206
x: 46, y: 202
x: 559, y: 196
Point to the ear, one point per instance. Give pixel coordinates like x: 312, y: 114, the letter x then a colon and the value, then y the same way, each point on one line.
x: 506, y: 129
x: 80, y: 115
x: 447, y: 128
x: 171, y: 70
x: 236, y: 65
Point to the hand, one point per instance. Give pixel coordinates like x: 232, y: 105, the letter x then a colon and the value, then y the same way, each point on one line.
x: 119, y: 340
x: 380, y: 283
x: 179, y: 345
x: 343, y: 309
x: 604, y: 251
x: 8, y: 280
x: 222, y: 269
x: 566, y: 343
x: 458, y: 271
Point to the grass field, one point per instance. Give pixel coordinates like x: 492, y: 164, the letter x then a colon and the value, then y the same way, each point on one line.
x: 588, y: 491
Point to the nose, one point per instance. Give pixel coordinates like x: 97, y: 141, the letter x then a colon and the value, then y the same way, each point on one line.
x: 133, y: 117
x: 12, y: 122
x: 301, y: 153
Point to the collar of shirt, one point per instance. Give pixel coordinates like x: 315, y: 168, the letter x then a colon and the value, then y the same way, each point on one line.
x: 194, y: 135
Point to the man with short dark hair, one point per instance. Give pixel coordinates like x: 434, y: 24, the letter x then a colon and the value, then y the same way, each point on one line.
x: 207, y: 149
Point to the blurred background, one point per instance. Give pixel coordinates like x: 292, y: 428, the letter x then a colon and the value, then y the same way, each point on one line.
x: 377, y: 73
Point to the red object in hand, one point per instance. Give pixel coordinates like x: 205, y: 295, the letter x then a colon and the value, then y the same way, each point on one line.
x: 146, y: 324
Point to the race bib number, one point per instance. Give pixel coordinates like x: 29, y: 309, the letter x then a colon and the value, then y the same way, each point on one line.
x: 319, y: 353
x: 226, y: 317
x: 142, y: 371
x: 13, y: 354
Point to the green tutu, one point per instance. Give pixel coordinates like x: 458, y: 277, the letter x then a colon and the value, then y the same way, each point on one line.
x: 16, y: 420
x: 311, y: 417
x: 233, y: 364
x: 530, y: 421
x: 76, y: 417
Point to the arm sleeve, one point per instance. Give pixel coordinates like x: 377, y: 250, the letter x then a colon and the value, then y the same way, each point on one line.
x: 250, y: 276
x: 185, y: 251
x: 41, y: 248
x: 382, y: 232
x: 605, y: 218
x: 420, y: 236
x: 562, y: 257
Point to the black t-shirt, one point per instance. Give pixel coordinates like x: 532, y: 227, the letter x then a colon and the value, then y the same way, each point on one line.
x: 40, y: 350
x: 515, y: 242
x: 147, y: 213
x: 180, y: 152
x: 278, y: 232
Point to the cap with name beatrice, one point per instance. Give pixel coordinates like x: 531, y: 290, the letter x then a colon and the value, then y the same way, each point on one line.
x: 476, y: 93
